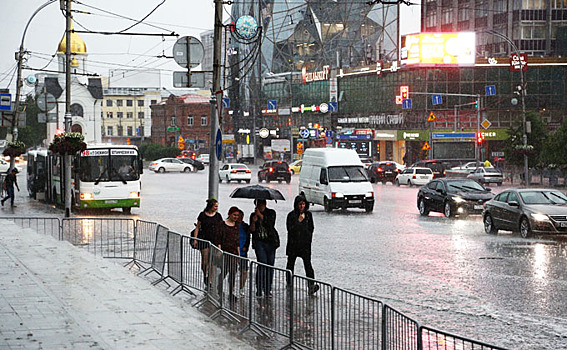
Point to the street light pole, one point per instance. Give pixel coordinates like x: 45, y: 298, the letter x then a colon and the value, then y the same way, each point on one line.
x: 522, y: 97
x: 68, y: 157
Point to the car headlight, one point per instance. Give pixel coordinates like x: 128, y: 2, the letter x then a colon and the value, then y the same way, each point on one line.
x: 337, y: 195
x: 458, y: 199
x: 369, y: 194
x: 87, y: 196
x: 540, y: 217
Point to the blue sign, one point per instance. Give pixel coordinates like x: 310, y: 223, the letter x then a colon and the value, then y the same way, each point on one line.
x: 225, y: 102
x: 437, y: 99
x: 490, y: 90
x: 5, y: 102
x: 329, y: 134
x: 304, y: 133
x: 333, y: 106
x: 406, y: 103
x: 272, y: 104
x: 218, y: 144
x: 354, y: 137
x: 329, y: 140
x: 453, y: 135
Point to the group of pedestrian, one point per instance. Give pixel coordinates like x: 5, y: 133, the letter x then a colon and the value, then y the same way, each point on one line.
x: 233, y: 235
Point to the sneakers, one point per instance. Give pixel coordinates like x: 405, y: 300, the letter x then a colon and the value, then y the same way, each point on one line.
x: 2, y: 202
x: 313, y: 289
x: 242, y: 291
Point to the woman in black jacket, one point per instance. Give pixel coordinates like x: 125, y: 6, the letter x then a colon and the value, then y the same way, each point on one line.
x: 265, y: 241
x: 300, y: 229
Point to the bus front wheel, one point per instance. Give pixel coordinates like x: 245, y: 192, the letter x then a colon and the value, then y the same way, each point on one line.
x: 127, y: 210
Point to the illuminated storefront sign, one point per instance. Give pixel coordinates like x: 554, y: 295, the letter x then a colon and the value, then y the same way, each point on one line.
x: 439, y: 49
x: 309, y: 77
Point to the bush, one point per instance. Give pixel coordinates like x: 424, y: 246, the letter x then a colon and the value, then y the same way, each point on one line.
x: 153, y: 151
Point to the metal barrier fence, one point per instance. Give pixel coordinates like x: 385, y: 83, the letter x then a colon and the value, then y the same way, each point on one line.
x: 275, y: 303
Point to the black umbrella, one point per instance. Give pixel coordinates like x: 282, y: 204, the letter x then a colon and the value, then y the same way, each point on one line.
x: 257, y: 192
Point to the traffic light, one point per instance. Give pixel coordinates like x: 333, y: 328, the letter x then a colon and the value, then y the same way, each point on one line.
x: 479, y: 137
x: 404, y: 92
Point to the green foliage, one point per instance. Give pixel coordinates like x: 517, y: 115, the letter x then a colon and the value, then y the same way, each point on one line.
x: 34, y: 133
x: 555, y: 146
x: 515, y: 149
x: 153, y: 151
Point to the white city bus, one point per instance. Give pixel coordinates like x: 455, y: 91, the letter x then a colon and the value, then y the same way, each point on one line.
x: 104, y: 176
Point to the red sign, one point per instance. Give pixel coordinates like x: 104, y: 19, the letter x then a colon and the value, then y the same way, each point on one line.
x: 516, y: 63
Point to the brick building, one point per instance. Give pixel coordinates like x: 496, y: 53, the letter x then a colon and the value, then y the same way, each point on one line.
x: 187, y: 116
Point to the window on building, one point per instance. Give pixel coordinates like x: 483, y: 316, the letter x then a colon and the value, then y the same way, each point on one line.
x: 120, y: 130
x: 559, y: 4
x: 500, y: 6
x: 204, y: 120
x: 153, y: 102
x: 140, y: 103
x: 129, y: 115
x: 108, y: 103
x: 109, y: 131
x: 481, y: 7
x: 140, y: 115
x: 119, y: 103
x: 119, y: 115
x: 431, y: 19
x: 129, y: 103
x: 190, y: 120
x: 173, y: 120
x: 534, y: 4
x: 532, y: 31
x: 464, y: 12
x: 108, y: 115
x: 130, y: 131
x: 446, y: 15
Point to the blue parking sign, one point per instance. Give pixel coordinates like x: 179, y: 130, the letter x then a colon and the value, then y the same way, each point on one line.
x: 406, y: 103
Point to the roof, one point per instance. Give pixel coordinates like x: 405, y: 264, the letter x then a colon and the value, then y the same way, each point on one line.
x: 194, y: 98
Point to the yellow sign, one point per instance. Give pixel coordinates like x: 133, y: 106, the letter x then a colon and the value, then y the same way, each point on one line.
x: 299, y: 148
x: 180, y: 139
x: 181, y: 145
x: 426, y: 147
x: 431, y: 117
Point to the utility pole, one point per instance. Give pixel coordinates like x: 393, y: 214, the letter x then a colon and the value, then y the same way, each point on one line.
x: 216, y: 98
x: 68, y: 157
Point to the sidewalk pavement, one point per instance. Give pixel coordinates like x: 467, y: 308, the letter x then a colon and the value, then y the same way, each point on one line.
x: 55, y: 296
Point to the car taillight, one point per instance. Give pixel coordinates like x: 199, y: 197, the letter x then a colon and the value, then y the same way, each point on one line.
x: 414, y: 176
x: 379, y: 170
x: 233, y: 171
x: 248, y: 171
x: 444, y: 172
x: 153, y: 163
x: 333, y: 194
x: 271, y: 170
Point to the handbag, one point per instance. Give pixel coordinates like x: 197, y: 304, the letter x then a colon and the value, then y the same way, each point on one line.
x: 192, y: 241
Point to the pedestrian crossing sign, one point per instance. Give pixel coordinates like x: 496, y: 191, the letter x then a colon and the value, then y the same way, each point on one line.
x: 426, y: 147
x: 431, y: 117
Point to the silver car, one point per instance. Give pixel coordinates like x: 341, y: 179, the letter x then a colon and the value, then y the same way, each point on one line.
x: 487, y: 176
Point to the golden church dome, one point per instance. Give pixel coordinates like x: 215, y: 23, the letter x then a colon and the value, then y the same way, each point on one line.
x: 77, y: 44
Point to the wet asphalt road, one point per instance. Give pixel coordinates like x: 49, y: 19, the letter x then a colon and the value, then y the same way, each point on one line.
x: 444, y: 273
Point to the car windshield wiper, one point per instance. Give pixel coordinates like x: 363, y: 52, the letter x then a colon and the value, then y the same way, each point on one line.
x: 121, y: 177
x: 473, y: 188
x: 100, y: 177
x: 457, y: 187
x: 563, y: 201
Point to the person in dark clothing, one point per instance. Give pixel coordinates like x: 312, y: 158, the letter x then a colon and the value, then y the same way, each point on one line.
x: 300, y: 229
x: 8, y: 186
x: 208, y: 222
x: 244, y: 238
x: 265, y: 241
x: 228, y: 241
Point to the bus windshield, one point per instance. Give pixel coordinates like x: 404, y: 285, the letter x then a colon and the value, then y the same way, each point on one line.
x: 100, y: 165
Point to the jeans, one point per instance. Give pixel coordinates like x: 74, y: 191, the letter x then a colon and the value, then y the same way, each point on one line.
x: 306, y: 263
x: 266, y: 254
x: 9, y: 194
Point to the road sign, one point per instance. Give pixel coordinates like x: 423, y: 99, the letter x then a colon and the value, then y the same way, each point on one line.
x: 426, y: 147
x: 180, y: 139
x: 225, y: 102
x: 490, y: 90
x: 181, y: 145
x: 486, y: 124
x: 431, y: 117
x: 188, y: 49
x: 46, y: 102
x: 299, y: 148
x: 172, y: 128
x: 263, y: 133
x: 272, y: 104
x: 452, y: 135
x: 304, y: 133
x: 333, y: 107
x: 406, y: 103
x: 181, y: 79
x: 218, y: 144
x: 329, y: 140
x: 329, y: 134
x: 437, y: 99
x: 5, y: 102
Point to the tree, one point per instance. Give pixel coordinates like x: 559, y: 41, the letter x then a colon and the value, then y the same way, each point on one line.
x: 34, y: 133
x: 515, y: 149
x: 152, y: 151
x: 555, y: 146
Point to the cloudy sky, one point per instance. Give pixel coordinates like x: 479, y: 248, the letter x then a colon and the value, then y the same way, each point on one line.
x: 184, y: 17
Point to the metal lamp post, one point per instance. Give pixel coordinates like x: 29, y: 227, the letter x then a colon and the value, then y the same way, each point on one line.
x: 522, y: 95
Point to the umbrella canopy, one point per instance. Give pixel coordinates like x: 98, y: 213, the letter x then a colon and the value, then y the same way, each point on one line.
x: 257, y: 192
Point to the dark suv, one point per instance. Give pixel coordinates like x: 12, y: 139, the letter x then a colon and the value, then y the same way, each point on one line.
x: 439, y: 168
x: 382, y: 172
x: 274, y: 170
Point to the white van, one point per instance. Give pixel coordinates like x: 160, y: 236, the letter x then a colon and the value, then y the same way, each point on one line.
x: 335, y: 178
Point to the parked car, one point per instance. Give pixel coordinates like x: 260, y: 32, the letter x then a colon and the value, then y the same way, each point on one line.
x: 170, y: 164
x: 470, y: 166
x: 203, y: 158
x: 526, y: 210
x: 414, y: 176
x: 235, y: 171
x: 187, y: 154
x: 439, y: 169
x: 366, y: 161
x: 487, y: 176
x: 197, y: 165
x: 382, y: 172
x: 296, y: 166
x: 452, y: 196
x: 274, y: 170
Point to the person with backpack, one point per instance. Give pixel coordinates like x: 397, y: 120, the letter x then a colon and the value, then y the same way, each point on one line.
x: 8, y: 186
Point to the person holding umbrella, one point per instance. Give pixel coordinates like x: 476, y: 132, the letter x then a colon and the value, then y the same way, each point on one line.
x: 208, y: 223
x: 265, y: 241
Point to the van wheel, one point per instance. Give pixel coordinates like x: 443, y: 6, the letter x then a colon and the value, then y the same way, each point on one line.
x: 127, y: 210
x: 372, y: 180
x: 397, y: 183
x: 287, y: 181
x: 410, y: 184
x: 327, y: 205
x: 369, y: 208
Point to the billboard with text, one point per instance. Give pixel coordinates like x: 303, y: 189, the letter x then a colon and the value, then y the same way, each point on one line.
x: 438, y: 49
